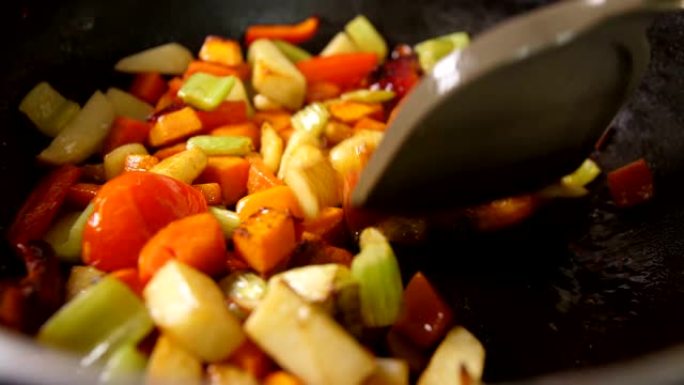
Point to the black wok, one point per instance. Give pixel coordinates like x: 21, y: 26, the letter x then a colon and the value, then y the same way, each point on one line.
x: 579, y: 286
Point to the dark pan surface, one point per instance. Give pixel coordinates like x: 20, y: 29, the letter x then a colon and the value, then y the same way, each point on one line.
x: 582, y: 284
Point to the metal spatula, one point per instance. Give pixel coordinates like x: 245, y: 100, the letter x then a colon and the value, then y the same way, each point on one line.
x: 517, y: 109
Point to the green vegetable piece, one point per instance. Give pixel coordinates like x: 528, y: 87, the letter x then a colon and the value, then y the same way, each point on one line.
x: 311, y: 119
x: 205, y: 91
x: 123, y: 365
x: 66, y: 235
x: 221, y: 145
x: 368, y: 96
x: 291, y: 51
x: 431, y: 51
x: 244, y: 290
x: 584, y: 175
x: 98, y: 321
x: 228, y: 220
x: 380, y: 287
x: 48, y: 109
x: 366, y: 37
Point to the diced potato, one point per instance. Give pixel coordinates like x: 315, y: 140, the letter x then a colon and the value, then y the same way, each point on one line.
x: 313, y: 180
x: 297, y: 139
x: 340, y: 43
x: 318, y: 284
x: 274, y: 76
x: 48, y: 109
x: 335, y: 132
x: 347, y: 155
x: 271, y: 147
x: 190, y: 308
x: 263, y: 103
x: 171, y: 364
x: 459, y: 354
x: 115, y: 161
x: 226, y: 374
x: 128, y: 105
x: 80, y: 279
x: 167, y: 59
x: 390, y: 371
x: 239, y: 93
x: 306, y: 341
x: 184, y: 166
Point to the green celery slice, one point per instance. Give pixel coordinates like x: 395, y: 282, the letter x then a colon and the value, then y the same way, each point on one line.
x: 366, y: 37
x: 380, y: 287
x: 205, y: 91
x: 368, y: 96
x: 48, y: 109
x: 311, y: 119
x: 221, y: 145
x: 432, y: 50
x: 229, y: 220
x: 123, y: 365
x: 66, y: 235
x: 98, y: 321
x: 292, y: 52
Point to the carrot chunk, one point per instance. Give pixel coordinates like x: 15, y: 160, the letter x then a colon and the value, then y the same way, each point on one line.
x: 266, y: 239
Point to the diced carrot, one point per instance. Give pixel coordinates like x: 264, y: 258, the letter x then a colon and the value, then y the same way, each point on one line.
x: 425, y: 318
x: 124, y: 131
x: 250, y: 358
x: 286, y: 134
x: 212, y: 193
x: 230, y: 172
x: 293, y: 33
x: 196, y: 240
x: 266, y: 239
x: 248, y: 129
x: 370, y: 124
x: 320, y: 91
x: 131, y: 278
x: 170, y: 97
x: 329, y: 220
x: 175, y: 126
x: 241, y: 70
x: 81, y: 194
x: 221, y: 51
x: 502, y: 213
x: 166, y: 152
x: 631, y: 184
x: 279, y: 120
x: 282, y: 377
x: 228, y: 112
x: 140, y: 162
x: 351, y: 112
x: 279, y: 197
x: 345, y: 70
x: 149, y: 86
x: 260, y: 177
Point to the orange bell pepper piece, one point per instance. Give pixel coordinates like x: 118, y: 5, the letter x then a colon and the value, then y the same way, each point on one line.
x: 266, y: 239
x: 230, y: 172
x: 366, y: 123
x: 282, y: 377
x: 631, y: 184
x: 351, y: 112
x: 221, y: 51
x: 175, y: 126
x: 320, y: 91
x: 148, y: 86
x: 211, y: 191
x: 279, y: 197
x: 247, y: 129
x: 260, y: 177
x: 166, y: 152
x: 140, y: 162
x: 170, y: 97
x: 228, y: 112
x: 196, y: 240
x: 241, y: 71
x: 124, y: 131
x: 81, y: 194
x: 279, y: 120
x: 293, y: 33
x: 131, y: 278
x: 345, y: 70
x: 329, y: 219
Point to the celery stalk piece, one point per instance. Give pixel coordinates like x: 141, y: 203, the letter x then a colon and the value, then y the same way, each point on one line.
x: 244, y: 290
x: 340, y: 43
x: 368, y: 96
x: 82, y: 278
x: 167, y: 59
x: 274, y: 75
x: 98, y: 321
x: 123, y: 366
x: 432, y: 50
x: 115, y: 160
x: 128, y: 105
x: 66, y: 235
x: 48, y: 109
x: 366, y: 37
x: 228, y: 220
x: 239, y: 94
x: 585, y: 174
x: 83, y: 135
x: 380, y: 287
x: 311, y: 119
x: 221, y: 145
x: 206, y: 91
x: 291, y: 51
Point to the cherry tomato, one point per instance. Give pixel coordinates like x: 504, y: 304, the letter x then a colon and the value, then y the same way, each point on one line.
x: 129, y: 210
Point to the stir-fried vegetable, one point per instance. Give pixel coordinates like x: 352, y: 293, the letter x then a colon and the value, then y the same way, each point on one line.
x: 168, y: 59
x: 66, y: 235
x: 48, y: 109
x: 206, y: 91
x: 431, y: 51
x: 364, y: 35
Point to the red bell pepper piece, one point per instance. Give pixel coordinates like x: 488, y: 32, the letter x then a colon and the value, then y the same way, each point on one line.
x: 228, y: 112
x: 36, y: 214
x: 400, y: 74
x: 293, y: 33
x: 81, y: 194
x: 148, y: 86
x: 345, y: 70
x: 124, y: 131
x: 631, y: 184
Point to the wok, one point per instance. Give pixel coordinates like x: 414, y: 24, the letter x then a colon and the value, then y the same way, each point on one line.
x: 583, y: 293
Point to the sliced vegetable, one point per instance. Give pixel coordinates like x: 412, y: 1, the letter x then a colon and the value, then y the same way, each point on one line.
x: 169, y: 151
x: 244, y: 289
x: 311, y: 119
x: 281, y: 377
x: 335, y: 132
x: 140, y: 162
x: 124, y: 365
x: 221, y: 51
x: 189, y: 307
x: 248, y: 129
x: 271, y: 147
x: 345, y: 70
x: 211, y: 192
x: 502, y: 213
x: 206, y: 91
x: 328, y: 222
x: 369, y: 124
x: 351, y: 112
x: 399, y: 74
x: 115, y: 160
x: 66, y: 235
x: 279, y: 120
x: 262, y: 103
x: 148, y: 86
x: 82, y: 278
x: 131, y: 278
x: 321, y: 91
x: 584, y: 175
x: 274, y: 76
x: 240, y: 71
x: 48, y: 109
x: 174, y: 126
x: 377, y: 271
x: 631, y: 184
x: 293, y: 52
x: 81, y: 194
x: 225, y: 374
x: 128, y: 105
x: 251, y: 359
x: 228, y: 112
x: 279, y: 197
x: 389, y: 371
x: 230, y: 172
x: 364, y: 35
x: 185, y: 166
x: 124, y: 131
x: 260, y: 176
x: 431, y: 51
x: 167, y: 59
x: 239, y: 94
x: 98, y: 321
x: 228, y: 220
x: 265, y: 239
x: 368, y: 96
x: 221, y: 145
x: 294, y: 33
x: 297, y: 334
x: 171, y: 363
x: 340, y: 44
x: 83, y: 135
x: 298, y: 139
x: 313, y: 180
x: 458, y: 360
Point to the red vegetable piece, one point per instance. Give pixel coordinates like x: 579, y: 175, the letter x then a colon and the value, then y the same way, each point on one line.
x: 228, y: 112
x: 294, y: 33
x: 81, y: 194
x: 631, y: 184
x: 149, y: 86
x: 124, y: 131
x: 344, y: 70
x: 399, y: 74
